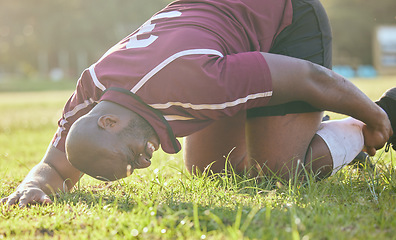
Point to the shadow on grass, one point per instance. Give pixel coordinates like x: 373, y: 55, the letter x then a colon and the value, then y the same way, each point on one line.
x: 175, y: 213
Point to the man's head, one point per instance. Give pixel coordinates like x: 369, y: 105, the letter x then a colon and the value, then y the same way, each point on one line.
x: 110, y: 142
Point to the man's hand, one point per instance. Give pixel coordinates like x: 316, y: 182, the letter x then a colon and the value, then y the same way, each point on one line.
x: 376, y: 137
x: 53, y: 174
x: 27, y: 194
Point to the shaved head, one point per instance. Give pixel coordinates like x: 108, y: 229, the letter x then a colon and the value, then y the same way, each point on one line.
x: 110, y: 142
x: 88, y: 149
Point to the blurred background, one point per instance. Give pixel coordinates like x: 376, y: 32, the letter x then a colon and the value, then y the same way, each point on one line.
x: 55, y: 40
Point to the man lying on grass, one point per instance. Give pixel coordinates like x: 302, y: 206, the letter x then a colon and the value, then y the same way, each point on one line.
x: 201, y: 69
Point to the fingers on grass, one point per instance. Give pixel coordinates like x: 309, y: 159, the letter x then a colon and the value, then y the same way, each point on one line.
x: 45, y: 200
x: 24, y: 201
x: 12, y: 200
x: 37, y: 199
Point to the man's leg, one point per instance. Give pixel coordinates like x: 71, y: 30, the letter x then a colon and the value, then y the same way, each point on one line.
x: 284, y: 146
x: 284, y: 136
x: 278, y: 142
x: 289, y: 129
x: 280, y: 136
x: 309, y: 37
x: 212, y: 145
x: 281, y: 145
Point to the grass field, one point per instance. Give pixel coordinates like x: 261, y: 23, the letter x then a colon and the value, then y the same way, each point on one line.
x: 165, y: 202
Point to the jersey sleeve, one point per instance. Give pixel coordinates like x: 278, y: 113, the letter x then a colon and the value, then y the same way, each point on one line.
x: 80, y: 103
x: 212, y: 87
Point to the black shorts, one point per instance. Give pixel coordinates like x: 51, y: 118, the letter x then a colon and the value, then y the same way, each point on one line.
x: 308, y: 37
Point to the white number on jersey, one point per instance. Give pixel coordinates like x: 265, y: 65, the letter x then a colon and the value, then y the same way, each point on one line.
x: 146, y: 28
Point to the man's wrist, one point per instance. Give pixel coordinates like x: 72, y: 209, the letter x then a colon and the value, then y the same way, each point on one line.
x: 378, y: 118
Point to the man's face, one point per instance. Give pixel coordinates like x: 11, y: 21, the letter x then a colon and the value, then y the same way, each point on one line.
x: 110, y: 142
x: 131, y: 148
x: 139, y: 151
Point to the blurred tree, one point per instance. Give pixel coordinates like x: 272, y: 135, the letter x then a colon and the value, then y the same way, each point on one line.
x: 52, y: 30
x: 56, y: 32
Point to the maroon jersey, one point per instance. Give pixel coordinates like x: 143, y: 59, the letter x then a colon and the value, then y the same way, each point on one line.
x: 192, y: 63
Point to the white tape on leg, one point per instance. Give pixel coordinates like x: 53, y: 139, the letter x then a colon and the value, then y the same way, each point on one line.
x: 344, y: 138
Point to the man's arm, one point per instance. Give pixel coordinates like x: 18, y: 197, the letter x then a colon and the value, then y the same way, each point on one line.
x: 53, y: 174
x: 299, y: 80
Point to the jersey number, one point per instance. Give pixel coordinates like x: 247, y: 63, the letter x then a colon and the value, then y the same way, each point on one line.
x: 146, y: 28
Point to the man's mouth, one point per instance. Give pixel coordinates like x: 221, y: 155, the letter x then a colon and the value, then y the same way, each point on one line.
x: 151, y: 148
x: 143, y: 160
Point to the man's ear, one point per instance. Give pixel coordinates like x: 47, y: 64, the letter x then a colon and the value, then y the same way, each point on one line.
x: 108, y: 121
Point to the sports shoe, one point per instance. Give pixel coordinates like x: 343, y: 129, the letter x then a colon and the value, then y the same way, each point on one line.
x: 326, y: 118
x: 388, y: 103
x: 362, y: 160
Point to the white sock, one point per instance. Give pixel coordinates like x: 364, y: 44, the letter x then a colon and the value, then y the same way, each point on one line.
x: 344, y: 138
